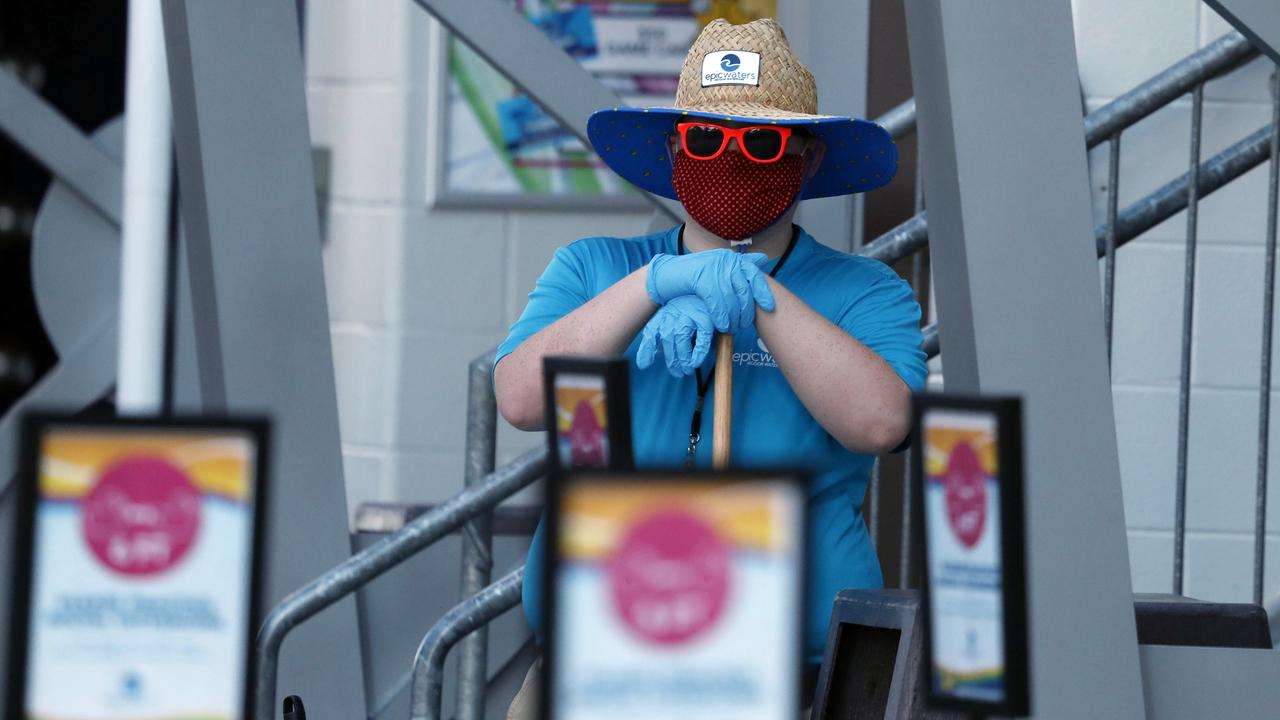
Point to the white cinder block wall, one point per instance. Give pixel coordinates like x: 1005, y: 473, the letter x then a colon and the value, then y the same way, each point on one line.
x: 415, y: 292
x: 1120, y: 44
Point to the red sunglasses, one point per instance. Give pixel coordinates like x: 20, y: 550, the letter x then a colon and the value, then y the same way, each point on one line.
x: 762, y: 143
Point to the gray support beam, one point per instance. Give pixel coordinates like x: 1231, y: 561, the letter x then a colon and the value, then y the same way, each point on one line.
x: 1016, y: 274
x: 1194, y: 683
x: 1258, y: 20
x: 509, y: 42
x: 262, y: 330
x: 59, y: 146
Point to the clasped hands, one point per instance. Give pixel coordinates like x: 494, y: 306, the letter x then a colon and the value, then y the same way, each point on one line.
x: 699, y: 294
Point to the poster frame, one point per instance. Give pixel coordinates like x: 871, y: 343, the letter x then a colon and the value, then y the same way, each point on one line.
x: 438, y: 193
x: 1007, y: 412
x: 796, y: 478
x: 614, y: 373
x: 26, y: 491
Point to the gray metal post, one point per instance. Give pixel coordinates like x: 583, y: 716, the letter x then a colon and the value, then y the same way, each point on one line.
x: 477, y: 536
x: 473, y: 613
x: 257, y: 286
x: 1012, y: 245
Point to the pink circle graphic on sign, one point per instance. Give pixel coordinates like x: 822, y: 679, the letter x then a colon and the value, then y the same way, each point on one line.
x: 141, y: 516
x: 669, y: 577
x: 966, y: 492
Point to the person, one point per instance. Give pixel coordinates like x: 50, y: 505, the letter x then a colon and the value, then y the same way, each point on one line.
x: 826, y: 345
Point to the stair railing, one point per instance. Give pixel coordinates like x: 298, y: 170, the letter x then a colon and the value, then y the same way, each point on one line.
x: 1106, y: 125
x: 356, y: 571
x: 903, y: 241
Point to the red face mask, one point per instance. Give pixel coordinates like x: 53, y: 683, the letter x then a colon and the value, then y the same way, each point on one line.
x: 734, y: 196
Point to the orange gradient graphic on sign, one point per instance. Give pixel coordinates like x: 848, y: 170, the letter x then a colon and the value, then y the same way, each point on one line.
x: 216, y: 463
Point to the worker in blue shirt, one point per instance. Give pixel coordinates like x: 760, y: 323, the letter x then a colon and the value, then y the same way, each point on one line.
x: 827, y: 346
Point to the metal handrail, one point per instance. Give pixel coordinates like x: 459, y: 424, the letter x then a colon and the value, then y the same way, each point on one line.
x: 1223, y: 54
x: 469, y: 615
x: 477, y: 536
x: 1220, y: 56
x: 364, y: 566
x: 901, y: 120
x: 1169, y: 200
x: 909, y: 237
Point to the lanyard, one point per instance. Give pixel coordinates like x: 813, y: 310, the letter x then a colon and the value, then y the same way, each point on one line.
x: 695, y: 423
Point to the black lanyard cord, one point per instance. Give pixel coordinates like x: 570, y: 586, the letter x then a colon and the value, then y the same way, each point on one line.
x: 703, y: 386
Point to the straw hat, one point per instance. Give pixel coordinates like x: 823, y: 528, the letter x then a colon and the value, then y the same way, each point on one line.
x: 744, y: 73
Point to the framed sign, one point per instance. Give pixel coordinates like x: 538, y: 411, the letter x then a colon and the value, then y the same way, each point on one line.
x: 967, y: 459
x: 498, y: 147
x: 588, y: 404
x: 134, y: 589
x: 673, y: 595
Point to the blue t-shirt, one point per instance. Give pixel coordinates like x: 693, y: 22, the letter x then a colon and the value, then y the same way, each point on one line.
x: 771, y: 427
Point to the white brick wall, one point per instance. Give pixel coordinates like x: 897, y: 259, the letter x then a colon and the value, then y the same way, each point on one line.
x: 1120, y: 45
x: 414, y: 292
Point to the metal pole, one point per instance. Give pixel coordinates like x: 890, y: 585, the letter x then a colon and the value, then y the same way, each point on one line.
x: 900, y: 121
x: 873, y: 505
x: 1188, y: 306
x: 1222, y: 55
x: 1113, y: 194
x: 352, y: 574
x: 473, y: 613
x: 144, y: 252
x: 904, y: 560
x: 477, y: 536
x: 1268, y: 311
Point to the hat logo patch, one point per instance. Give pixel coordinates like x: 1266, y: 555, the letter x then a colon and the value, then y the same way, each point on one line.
x: 730, y: 67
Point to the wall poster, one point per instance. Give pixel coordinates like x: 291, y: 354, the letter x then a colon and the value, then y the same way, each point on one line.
x: 499, y: 143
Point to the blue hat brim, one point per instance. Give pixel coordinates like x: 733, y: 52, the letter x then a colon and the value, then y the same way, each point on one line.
x: 859, y: 154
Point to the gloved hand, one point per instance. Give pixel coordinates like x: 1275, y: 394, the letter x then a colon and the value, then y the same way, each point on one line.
x: 684, y: 328
x: 730, y: 283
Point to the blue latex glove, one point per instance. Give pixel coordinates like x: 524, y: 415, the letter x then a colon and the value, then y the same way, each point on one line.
x: 730, y: 283
x: 683, y: 327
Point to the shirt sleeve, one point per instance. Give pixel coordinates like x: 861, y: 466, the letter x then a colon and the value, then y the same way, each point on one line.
x: 563, y: 287
x: 886, y: 318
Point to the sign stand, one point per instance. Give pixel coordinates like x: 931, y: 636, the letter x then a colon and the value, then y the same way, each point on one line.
x: 967, y: 462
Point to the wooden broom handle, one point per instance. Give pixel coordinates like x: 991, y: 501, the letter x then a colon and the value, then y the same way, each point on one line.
x: 723, y: 418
